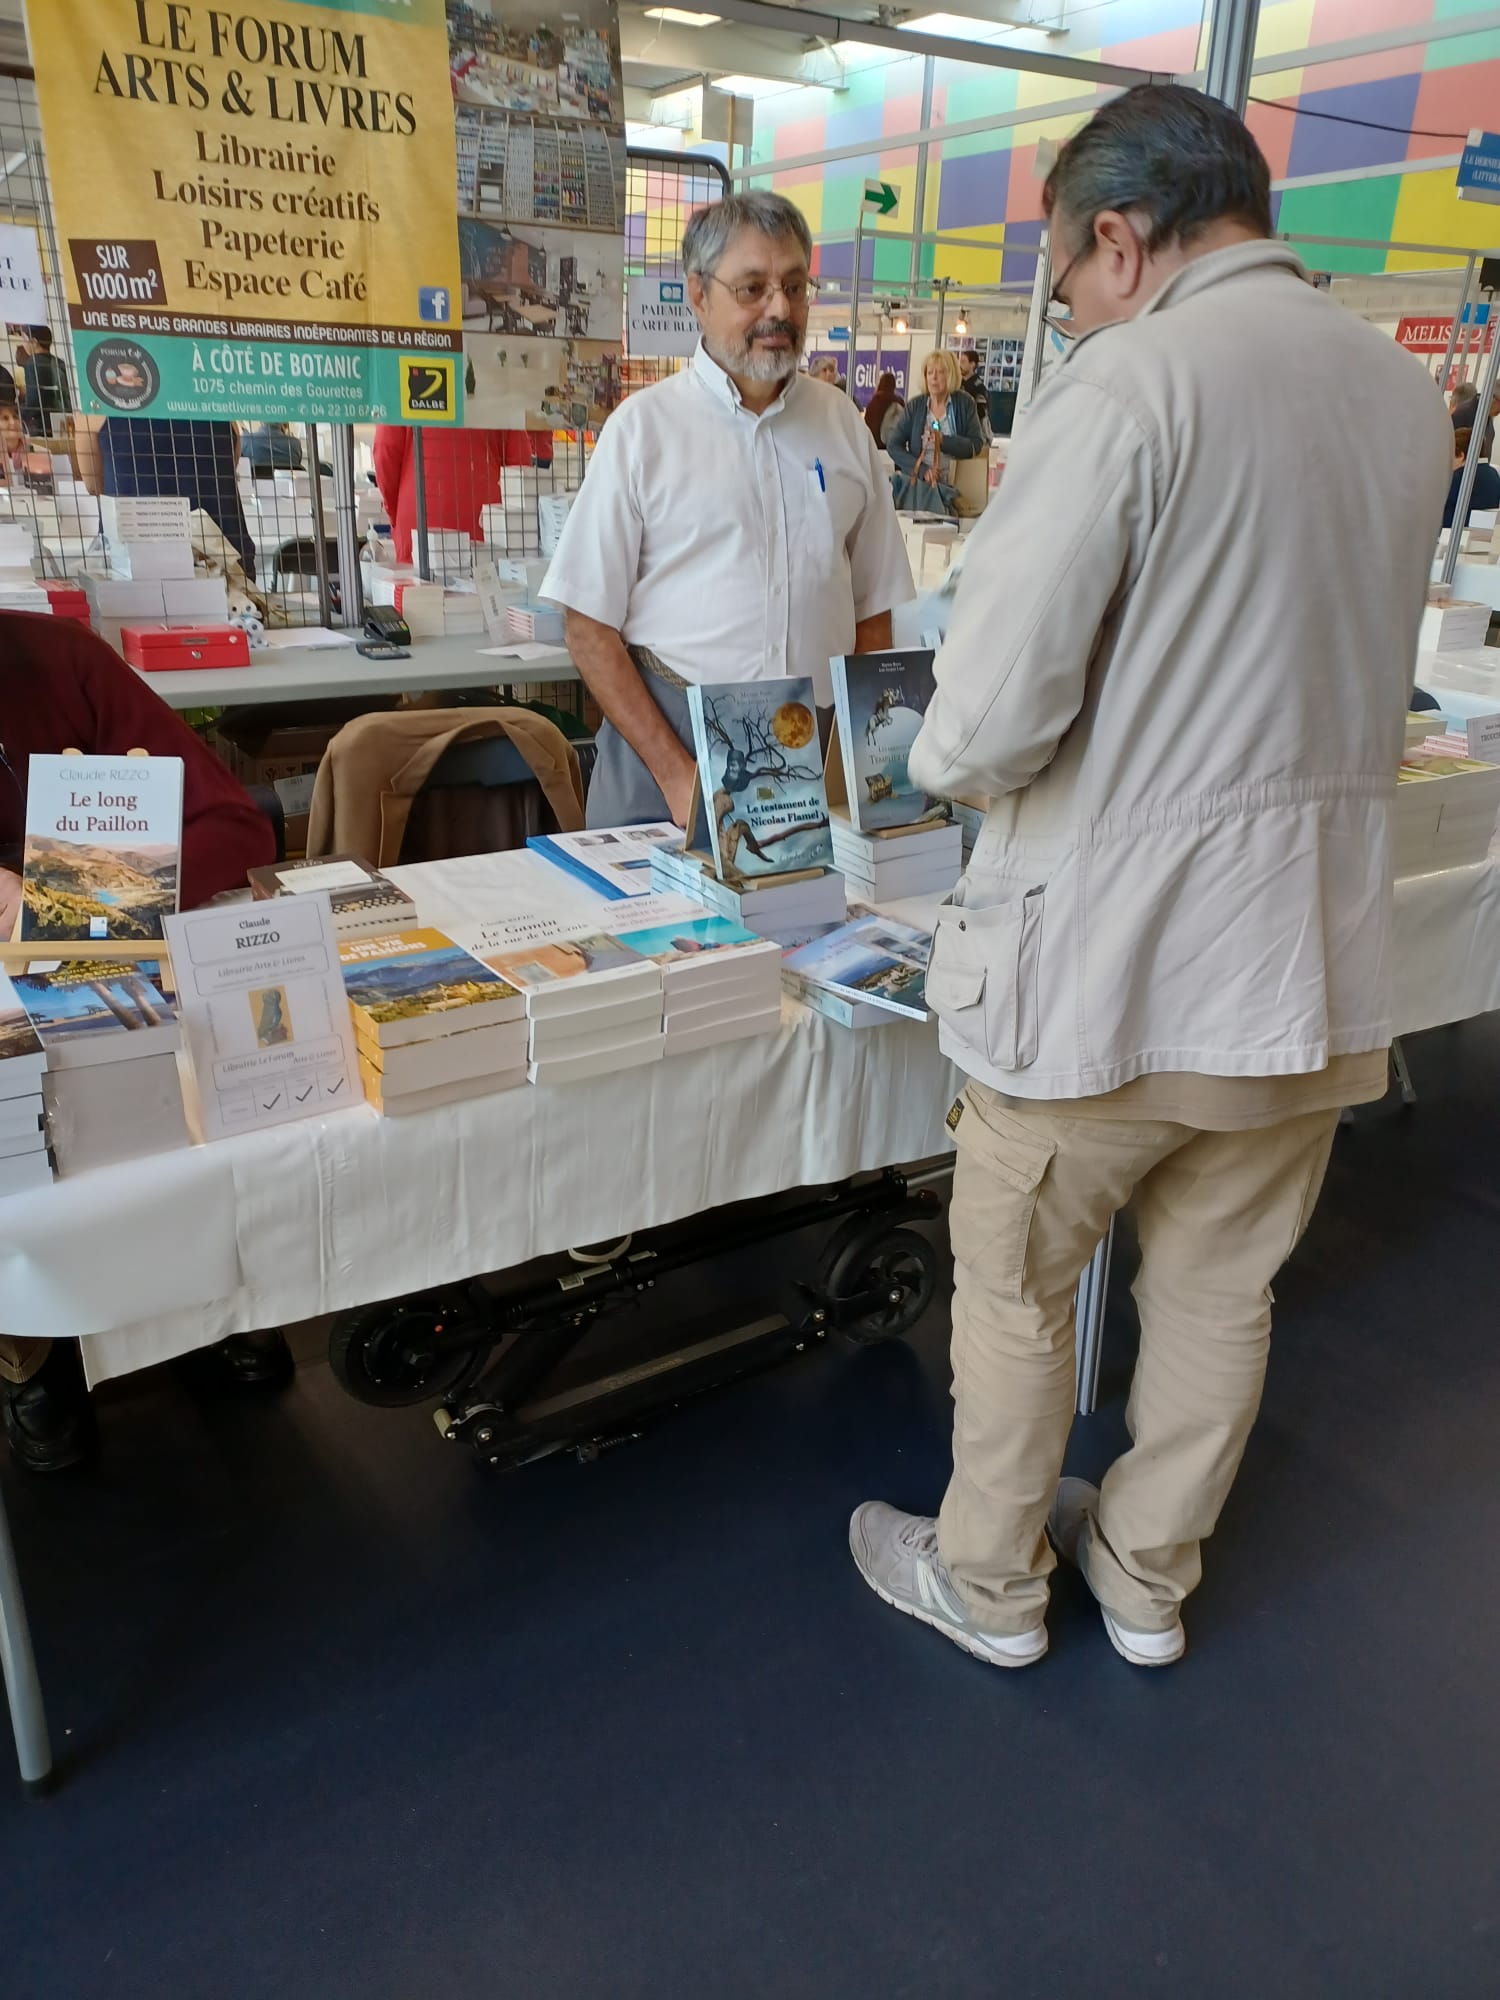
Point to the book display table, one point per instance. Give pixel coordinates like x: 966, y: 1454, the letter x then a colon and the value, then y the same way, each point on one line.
x: 298, y: 668
x: 279, y: 1225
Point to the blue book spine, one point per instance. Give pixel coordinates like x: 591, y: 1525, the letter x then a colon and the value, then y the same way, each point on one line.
x: 546, y: 845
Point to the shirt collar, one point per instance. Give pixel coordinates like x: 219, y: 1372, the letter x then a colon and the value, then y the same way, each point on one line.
x: 1199, y: 275
x: 710, y: 376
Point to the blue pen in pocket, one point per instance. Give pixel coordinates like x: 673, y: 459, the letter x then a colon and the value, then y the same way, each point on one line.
x: 818, y: 468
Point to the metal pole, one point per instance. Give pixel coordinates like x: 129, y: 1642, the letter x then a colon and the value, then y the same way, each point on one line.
x: 919, y: 194
x: 1460, y: 319
x: 1231, y: 50
x: 27, y: 1716
x: 419, y: 478
x: 346, y: 528
x: 1475, y: 453
x: 859, y: 256
x: 1034, y: 350
x: 941, y: 288
x: 320, y: 535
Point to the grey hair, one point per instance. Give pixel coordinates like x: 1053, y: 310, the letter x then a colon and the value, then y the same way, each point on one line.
x: 1176, y: 159
x: 707, y: 235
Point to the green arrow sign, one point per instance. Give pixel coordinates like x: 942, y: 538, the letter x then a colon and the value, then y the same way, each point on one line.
x: 881, y: 196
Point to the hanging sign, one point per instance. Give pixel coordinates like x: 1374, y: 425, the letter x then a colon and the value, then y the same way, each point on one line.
x: 1431, y: 335
x: 539, y: 112
x: 255, y: 206
x: 659, y: 319
x: 880, y: 196
x: 23, y: 296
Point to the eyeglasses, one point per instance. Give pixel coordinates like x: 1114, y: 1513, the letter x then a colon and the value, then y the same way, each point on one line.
x: 1060, y: 314
x: 761, y: 291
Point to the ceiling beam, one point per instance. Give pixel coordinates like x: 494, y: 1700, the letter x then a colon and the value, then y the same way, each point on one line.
x: 832, y: 28
x: 724, y: 52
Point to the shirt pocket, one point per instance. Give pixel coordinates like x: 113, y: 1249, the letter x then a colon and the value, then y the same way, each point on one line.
x: 831, y: 504
x: 982, y: 978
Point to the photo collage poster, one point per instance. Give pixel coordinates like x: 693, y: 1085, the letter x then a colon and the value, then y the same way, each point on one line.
x: 538, y: 104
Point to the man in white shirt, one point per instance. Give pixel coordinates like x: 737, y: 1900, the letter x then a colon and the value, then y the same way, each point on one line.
x: 734, y: 525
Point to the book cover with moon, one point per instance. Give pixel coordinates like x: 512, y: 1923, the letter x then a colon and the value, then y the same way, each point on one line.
x: 880, y: 700
x: 761, y: 770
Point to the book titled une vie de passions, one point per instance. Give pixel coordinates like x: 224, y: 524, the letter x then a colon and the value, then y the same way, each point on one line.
x: 761, y: 771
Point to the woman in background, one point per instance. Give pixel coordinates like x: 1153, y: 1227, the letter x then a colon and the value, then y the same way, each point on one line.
x: 942, y: 424
x: 883, y: 411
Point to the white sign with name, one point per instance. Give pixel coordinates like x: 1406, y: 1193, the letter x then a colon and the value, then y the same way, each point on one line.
x: 22, y: 293
x: 264, y: 1015
x: 1484, y: 739
x: 659, y: 319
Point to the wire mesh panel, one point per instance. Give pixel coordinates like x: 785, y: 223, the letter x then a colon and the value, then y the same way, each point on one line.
x: 661, y: 192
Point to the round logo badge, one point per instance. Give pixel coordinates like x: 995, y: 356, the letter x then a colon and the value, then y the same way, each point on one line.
x: 122, y: 374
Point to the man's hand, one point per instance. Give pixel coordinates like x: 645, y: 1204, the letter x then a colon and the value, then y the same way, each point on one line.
x: 10, y: 903
x: 677, y: 790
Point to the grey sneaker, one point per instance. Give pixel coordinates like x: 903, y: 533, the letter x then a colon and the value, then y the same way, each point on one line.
x: 897, y: 1555
x: 1075, y: 1506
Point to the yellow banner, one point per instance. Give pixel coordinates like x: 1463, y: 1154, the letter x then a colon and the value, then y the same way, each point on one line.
x: 256, y: 206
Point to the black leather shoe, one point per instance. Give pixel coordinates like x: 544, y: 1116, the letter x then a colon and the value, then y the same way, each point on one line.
x: 49, y: 1421
x: 255, y: 1360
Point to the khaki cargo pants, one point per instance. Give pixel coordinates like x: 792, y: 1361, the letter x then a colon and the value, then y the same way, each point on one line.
x: 1218, y: 1213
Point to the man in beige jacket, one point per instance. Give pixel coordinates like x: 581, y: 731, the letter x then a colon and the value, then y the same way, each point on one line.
x: 1178, y: 661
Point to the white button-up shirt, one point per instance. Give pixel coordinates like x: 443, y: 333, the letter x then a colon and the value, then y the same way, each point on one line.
x: 735, y: 547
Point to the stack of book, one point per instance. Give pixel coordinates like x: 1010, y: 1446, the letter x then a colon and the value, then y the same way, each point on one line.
x: 780, y: 909
x: 969, y: 815
x: 111, y: 1089
x: 19, y: 589
x: 922, y: 860
x: 67, y: 599
x: 1453, y: 625
x: 1445, y: 812
x: 867, y: 969
x: 593, y: 1005
x: 534, y: 624
x: 615, y: 862
x: 23, y: 1141
x: 418, y: 604
x: 721, y: 983
x: 432, y: 1024
x: 364, y: 902
x: 463, y: 613
x: 552, y: 515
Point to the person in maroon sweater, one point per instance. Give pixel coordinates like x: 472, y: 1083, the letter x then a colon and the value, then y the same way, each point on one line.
x: 63, y: 689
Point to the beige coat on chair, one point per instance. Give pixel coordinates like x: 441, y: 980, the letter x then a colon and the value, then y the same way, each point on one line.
x: 374, y: 768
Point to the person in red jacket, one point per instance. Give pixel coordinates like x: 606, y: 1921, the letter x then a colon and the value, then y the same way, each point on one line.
x: 461, y: 471
x: 61, y: 688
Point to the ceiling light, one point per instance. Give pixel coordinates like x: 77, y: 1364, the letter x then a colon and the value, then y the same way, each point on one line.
x: 960, y: 326
x: 759, y: 86
x: 899, y: 325
x: 681, y: 17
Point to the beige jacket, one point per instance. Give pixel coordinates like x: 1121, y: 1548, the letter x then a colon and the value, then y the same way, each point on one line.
x: 374, y: 768
x: 1181, y: 649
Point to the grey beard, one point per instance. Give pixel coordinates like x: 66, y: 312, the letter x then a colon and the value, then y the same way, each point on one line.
x: 759, y: 367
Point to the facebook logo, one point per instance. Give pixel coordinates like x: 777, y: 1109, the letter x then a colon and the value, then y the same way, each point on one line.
x: 432, y: 302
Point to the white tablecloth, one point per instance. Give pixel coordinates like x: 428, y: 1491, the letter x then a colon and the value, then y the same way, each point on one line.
x: 308, y: 1218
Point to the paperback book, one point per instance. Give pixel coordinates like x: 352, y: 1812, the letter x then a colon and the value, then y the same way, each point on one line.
x: 415, y: 985
x: 761, y: 775
x: 560, y: 966
x: 22, y: 1058
x: 872, y: 958
x: 612, y: 861
x: 879, y: 702
x: 364, y: 902
x: 103, y: 841
x: 88, y: 1012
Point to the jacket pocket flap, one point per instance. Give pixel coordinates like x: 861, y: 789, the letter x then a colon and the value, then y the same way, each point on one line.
x: 952, y: 987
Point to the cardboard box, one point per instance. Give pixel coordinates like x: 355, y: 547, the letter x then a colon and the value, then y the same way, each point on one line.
x: 284, y: 747
x: 202, y: 597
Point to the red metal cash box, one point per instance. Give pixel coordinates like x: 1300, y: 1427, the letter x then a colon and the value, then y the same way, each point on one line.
x: 159, y: 649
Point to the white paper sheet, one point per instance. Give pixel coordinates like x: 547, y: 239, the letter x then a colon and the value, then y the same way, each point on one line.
x: 527, y: 649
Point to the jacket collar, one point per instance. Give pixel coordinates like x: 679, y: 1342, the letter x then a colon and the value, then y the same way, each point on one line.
x: 1218, y: 267
x: 710, y: 376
